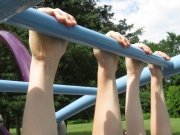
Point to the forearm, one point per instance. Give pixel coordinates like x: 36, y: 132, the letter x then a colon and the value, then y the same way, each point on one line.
x: 160, y: 124
x: 133, y: 107
x: 39, y: 111
x: 107, y: 118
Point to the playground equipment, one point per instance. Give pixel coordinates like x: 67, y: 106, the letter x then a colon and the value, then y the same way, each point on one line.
x: 1, y: 121
x: 23, y: 59
x: 3, y: 130
x: 19, y: 51
x: 35, y: 20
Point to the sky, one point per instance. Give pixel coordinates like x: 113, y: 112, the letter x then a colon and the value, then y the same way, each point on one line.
x: 156, y: 16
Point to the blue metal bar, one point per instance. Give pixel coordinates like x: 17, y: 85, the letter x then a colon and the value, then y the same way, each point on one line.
x: 8, y: 8
x: 31, y: 19
x: 46, y: 24
x: 21, y: 87
x: 87, y: 101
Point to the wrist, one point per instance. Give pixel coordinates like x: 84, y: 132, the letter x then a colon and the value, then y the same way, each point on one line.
x: 133, y: 77
x: 45, y: 62
x: 132, y: 84
x: 156, y: 76
x: 47, y: 67
x: 156, y: 79
x: 109, y: 73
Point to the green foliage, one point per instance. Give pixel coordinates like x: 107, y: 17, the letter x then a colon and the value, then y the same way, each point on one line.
x: 146, y: 116
x: 122, y: 100
x: 170, y: 45
x: 173, y: 101
x: 78, y: 66
x: 78, y: 121
x: 145, y: 100
x: 11, y: 103
x: 123, y: 118
x: 86, y: 12
x: 125, y: 30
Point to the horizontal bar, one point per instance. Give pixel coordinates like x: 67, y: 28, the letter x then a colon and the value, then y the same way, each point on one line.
x: 87, y: 101
x: 21, y: 87
x: 46, y: 24
x: 8, y: 8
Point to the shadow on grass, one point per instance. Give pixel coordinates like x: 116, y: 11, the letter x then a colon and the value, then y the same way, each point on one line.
x: 148, y: 132
x: 80, y: 133
x: 176, y: 133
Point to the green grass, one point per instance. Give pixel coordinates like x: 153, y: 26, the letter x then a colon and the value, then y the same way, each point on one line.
x: 13, y: 131
x: 86, y: 128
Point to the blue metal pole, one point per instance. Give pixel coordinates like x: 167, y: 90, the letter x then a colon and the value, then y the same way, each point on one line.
x: 21, y: 87
x: 46, y: 24
x: 87, y: 101
x: 8, y: 8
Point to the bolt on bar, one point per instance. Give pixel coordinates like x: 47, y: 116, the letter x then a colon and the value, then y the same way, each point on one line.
x: 46, y: 24
x: 8, y: 8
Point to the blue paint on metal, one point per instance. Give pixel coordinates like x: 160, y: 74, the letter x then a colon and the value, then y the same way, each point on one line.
x: 46, y: 24
x: 35, y: 20
x: 8, y: 8
x: 87, y: 101
x: 21, y: 87
x: 75, y: 107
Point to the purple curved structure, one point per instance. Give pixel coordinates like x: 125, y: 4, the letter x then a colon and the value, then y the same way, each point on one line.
x: 22, y: 57
x: 3, y: 131
x: 19, y: 51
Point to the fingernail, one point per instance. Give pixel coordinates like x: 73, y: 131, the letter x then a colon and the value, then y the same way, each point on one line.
x: 125, y: 44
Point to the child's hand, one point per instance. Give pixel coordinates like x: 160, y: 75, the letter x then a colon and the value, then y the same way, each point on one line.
x: 46, y: 48
x: 108, y: 60
x: 156, y: 71
x: 135, y: 67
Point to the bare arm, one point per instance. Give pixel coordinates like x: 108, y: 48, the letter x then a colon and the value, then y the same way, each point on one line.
x: 134, y: 117
x: 107, y: 119
x: 160, y: 124
x: 39, y: 114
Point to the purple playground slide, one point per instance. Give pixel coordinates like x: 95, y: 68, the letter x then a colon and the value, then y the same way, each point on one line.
x: 3, y: 131
x: 22, y: 57
x: 19, y: 51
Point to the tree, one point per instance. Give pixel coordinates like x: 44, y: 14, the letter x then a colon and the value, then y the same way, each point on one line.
x: 173, y: 101
x: 78, y: 66
x: 145, y: 100
x: 12, y: 104
x: 171, y: 46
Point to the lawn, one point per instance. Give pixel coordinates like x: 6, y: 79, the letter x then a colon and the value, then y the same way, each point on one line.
x: 86, y: 128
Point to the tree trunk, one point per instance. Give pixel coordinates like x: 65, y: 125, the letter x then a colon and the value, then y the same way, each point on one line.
x: 18, y: 131
x: 6, y: 121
